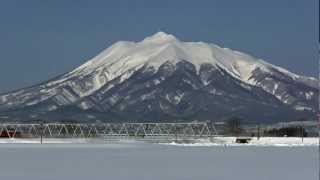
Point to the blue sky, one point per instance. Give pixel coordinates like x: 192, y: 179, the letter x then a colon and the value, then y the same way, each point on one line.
x: 41, y: 39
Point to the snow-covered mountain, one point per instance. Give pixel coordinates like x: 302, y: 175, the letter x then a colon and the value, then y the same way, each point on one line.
x: 163, y: 78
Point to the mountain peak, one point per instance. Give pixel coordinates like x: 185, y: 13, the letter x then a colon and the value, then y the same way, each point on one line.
x: 160, y: 37
x: 124, y: 80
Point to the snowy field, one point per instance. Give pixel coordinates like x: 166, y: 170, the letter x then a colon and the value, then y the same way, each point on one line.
x: 264, y: 141
x: 216, y: 141
x: 146, y: 161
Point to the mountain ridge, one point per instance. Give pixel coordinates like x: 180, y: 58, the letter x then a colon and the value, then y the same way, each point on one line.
x: 121, y: 62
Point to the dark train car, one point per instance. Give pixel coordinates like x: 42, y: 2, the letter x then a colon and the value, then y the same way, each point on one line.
x: 10, y: 134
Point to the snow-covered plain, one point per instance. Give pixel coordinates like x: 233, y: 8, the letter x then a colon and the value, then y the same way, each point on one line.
x: 263, y: 141
x: 139, y: 161
x: 215, y: 141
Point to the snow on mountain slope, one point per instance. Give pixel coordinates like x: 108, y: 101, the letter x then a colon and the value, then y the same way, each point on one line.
x: 161, y: 47
x: 123, y: 59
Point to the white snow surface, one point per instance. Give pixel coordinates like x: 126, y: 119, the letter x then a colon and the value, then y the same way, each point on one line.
x: 145, y: 161
x: 162, y: 47
x: 263, y: 141
x: 215, y: 141
x: 45, y: 140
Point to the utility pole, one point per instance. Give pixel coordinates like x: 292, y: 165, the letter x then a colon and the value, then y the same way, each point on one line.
x: 176, y: 133
x: 301, y: 132
x: 258, y: 131
x: 318, y: 118
x: 319, y: 135
x: 41, y: 132
x: 318, y: 114
x: 210, y: 127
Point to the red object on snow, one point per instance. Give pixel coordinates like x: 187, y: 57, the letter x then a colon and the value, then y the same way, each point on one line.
x: 9, y: 133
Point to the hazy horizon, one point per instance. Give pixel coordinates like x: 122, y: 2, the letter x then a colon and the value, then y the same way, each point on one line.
x: 40, y: 40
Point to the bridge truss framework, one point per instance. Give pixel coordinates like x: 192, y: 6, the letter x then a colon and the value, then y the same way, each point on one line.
x: 84, y: 130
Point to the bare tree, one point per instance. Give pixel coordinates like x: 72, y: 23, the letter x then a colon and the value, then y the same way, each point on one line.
x: 234, y: 126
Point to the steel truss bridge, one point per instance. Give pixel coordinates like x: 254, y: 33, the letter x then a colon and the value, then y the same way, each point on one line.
x: 139, y: 130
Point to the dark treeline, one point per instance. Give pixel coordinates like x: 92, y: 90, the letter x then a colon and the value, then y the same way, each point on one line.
x: 287, y: 131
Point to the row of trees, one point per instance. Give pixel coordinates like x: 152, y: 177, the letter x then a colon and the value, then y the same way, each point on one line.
x: 234, y: 127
